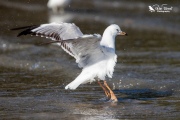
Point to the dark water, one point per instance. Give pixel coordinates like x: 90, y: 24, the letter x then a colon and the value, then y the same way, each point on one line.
x: 146, y: 78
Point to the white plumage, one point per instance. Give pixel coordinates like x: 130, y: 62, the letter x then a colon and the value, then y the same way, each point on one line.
x: 102, y: 60
x: 93, y: 53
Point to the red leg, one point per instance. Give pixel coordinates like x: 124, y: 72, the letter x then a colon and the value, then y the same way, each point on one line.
x: 113, y: 97
x: 105, y: 90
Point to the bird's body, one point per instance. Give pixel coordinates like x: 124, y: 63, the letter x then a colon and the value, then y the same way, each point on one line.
x: 101, y: 62
x: 98, y: 70
x: 93, y: 53
x: 58, y: 5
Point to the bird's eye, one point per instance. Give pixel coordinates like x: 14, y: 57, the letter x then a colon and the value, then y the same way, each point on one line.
x: 117, y: 30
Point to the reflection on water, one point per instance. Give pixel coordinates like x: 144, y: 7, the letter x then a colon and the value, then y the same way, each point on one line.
x: 146, y: 78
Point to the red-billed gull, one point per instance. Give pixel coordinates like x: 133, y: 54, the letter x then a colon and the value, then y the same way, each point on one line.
x: 93, y: 53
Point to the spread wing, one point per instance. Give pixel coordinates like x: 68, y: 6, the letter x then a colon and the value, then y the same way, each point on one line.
x: 84, y: 48
x: 55, y: 31
x: 87, y: 49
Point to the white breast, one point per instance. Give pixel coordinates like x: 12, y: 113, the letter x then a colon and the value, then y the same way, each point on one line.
x: 101, y: 69
x: 110, y: 66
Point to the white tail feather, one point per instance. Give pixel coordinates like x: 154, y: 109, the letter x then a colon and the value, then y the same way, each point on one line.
x: 82, y: 78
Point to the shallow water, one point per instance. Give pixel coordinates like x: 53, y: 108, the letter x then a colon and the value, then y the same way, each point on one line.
x: 146, y: 77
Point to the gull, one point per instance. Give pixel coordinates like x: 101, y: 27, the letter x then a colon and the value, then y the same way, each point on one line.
x: 94, y: 53
x: 58, y: 5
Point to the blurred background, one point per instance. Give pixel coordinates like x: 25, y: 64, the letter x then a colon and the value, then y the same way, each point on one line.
x: 146, y: 78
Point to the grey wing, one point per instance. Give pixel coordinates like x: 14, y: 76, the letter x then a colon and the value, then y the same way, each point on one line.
x: 84, y: 48
x: 55, y: 31
x: 59, y: 32
x: 87, y: 49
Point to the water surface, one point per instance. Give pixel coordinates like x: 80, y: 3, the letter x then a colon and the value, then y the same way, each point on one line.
x: 146, y: 77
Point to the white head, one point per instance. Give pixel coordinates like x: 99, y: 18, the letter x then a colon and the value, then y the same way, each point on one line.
x: 114, y: 30
x: 108, y: 38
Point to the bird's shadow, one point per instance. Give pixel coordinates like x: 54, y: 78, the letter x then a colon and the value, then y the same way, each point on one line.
x: 142, y: 94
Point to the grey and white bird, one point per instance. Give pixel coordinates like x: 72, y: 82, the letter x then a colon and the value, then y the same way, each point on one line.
x: 94, y: 53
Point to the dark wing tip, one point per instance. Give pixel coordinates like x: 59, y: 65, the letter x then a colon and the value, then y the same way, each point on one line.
x: 26, y: 30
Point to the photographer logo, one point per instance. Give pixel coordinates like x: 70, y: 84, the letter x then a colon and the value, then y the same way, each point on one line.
x: 160, y: 8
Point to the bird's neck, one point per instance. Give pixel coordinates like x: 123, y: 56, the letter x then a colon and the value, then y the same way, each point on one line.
x: 108, y: 40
